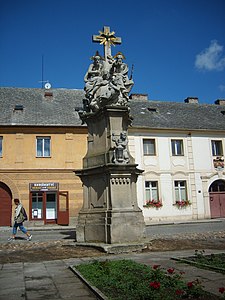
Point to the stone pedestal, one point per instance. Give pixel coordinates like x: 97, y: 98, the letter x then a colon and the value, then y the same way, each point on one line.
x: 110, y: 213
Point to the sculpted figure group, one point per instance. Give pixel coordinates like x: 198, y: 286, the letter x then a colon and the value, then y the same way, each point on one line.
x: 107, y: 82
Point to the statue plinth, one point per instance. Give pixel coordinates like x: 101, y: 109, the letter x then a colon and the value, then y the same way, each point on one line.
x: 110, y: 213
x: 104, y: 127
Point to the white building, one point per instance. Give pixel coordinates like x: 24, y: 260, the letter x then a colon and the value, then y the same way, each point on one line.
x: 180, y: 147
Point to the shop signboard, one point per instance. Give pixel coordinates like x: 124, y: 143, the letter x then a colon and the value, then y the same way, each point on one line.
x: 44, y: 186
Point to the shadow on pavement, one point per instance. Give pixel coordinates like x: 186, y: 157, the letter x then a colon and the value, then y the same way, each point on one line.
x: 69, y: 235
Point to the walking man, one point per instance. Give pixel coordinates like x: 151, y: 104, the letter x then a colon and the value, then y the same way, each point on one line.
x: 19, y: 218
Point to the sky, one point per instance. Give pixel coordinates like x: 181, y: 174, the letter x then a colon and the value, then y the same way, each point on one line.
x: 177, y: 47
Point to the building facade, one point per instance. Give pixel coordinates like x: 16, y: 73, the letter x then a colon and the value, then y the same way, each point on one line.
x: 180, y: 147
x: 42, y: 142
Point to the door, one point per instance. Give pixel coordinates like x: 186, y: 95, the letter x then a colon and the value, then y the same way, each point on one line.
x: 5, y: 205
x: 51, y: 207
x: 217, y: 205
x: 63, y: 208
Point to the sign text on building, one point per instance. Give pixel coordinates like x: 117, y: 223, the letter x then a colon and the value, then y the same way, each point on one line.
x: 44, y: 186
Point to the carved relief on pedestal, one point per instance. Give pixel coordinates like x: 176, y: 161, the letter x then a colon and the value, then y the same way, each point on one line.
x: 120, y: 180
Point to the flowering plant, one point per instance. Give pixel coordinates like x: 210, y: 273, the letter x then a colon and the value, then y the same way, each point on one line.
x: 153, y: 203
x: 182, y: 203
x: 144, y: 281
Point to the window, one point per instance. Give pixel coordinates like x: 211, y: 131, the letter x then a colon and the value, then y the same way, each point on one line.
x: 151, y: 191
x: 43, y: 146
x: 217, y: 186
x: 177, y: 147
x: 217, y: 148
x: 0, y: 146
x: 149, y: 146
x: 180, y: 190
x: 37, y: 205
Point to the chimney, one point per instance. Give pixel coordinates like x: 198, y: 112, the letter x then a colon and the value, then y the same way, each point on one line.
x: 191, y: 100
x: 48, y: 94
x: 140, y: 97
x: 220, y: 102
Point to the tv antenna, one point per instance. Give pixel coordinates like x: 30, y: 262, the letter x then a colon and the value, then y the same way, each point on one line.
x: 44, y: 83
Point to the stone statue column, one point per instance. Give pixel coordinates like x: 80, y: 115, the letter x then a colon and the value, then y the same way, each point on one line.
x: 110, y: 213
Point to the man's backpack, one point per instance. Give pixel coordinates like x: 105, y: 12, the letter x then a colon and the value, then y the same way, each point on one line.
x: 24, y: 214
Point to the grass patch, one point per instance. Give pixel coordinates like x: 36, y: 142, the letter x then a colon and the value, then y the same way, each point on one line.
x: 215, y: 262
x: 126, y: 279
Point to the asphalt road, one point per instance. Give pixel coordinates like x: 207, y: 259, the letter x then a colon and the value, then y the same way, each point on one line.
x: 43, y: 235
x: 189, y: 227
x: 40, y: 235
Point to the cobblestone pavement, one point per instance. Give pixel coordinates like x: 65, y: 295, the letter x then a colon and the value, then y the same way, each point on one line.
x: 214, y: 238
x: 191, y: 236
x: 22, y: 250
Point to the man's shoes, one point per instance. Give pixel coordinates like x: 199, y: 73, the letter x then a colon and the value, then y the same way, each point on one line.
x: 29, y: 238
x: 10, y: 239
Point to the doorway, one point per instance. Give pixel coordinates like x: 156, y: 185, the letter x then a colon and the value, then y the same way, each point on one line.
x: 44, y: 206
x: 217, y: 199
x: 51, y: 207
x: 5, y: 205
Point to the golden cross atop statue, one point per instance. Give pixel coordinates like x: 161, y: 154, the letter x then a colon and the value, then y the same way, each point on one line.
x: 107, y: 39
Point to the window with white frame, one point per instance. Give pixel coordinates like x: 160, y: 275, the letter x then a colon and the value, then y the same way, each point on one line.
x: 180, y: 190
x: 1, y: 146
x: 37, y: 205
x: 177, y: 147
x: 217, y: 148
x: 151, y: 191
x: 43, y: 146
x: 149, y: 146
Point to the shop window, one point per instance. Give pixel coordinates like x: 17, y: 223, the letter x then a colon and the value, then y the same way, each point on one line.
x: 37, y: 205
x: 217, y: 148
x: 177, y: 147
x: 149, y: 146
x: 43, y: 146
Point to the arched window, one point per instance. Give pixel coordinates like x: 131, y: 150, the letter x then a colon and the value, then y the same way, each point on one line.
x: 217, y: 186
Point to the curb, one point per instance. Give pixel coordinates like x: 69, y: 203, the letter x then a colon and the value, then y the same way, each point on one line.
x: 96, y: 291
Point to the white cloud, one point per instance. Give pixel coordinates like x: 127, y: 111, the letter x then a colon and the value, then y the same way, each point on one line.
x: 211, y: 59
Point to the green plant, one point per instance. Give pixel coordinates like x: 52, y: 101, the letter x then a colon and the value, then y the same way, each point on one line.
x: 214, y: 260
x: 126, y: 279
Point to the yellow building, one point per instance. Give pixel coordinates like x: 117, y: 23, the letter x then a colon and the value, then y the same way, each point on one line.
x: 42, y: 142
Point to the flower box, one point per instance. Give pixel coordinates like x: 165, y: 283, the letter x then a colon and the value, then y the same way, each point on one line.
x: 153, y: 203
x: 182, y: 203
